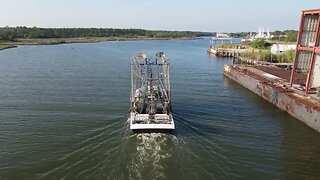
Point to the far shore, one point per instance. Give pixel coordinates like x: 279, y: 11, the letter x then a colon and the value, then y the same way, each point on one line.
x: 52, y: 41
x: 5, y: 46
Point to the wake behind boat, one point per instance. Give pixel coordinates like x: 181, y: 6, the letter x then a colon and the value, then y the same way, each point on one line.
x: 150, y: 94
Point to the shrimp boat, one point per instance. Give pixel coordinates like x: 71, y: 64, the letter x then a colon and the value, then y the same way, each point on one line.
x: 150, y: 94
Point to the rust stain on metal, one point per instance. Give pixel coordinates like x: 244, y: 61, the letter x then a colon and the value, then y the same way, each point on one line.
x: 277, y: 93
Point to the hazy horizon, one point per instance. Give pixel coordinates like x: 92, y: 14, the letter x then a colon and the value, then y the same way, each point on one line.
x: 204, y: 16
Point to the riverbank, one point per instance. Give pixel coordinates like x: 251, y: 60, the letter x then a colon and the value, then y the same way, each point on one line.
x: 2, y: 46
x: 52, y: 41
x: 257, y: 51
x: 227, y: 52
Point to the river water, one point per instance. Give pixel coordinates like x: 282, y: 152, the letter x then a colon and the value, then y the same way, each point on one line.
x: 64, y: 110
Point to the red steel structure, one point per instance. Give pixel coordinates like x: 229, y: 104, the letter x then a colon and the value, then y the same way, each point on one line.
x: 307, y: 57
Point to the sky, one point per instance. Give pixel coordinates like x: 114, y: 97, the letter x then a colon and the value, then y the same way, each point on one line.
x: 191, y: 15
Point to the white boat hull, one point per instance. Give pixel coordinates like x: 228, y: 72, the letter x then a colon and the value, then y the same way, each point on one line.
x: 141, y: 122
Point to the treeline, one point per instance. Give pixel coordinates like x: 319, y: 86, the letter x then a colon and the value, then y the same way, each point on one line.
x: 12, y: 33
x: 239, y: 34
x: 283, y: 33
x: 287, y: 35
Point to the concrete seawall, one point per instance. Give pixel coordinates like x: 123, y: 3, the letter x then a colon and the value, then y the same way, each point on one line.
x: 226, y: 52
x: 274, y: 90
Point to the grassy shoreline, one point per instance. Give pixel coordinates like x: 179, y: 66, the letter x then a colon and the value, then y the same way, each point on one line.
x: 261, y: 53
x: 52, y: 41
x: 4, y: 46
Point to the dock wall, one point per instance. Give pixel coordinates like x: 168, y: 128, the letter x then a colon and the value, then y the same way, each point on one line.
x: 226, y: 52
x: 301, y: 107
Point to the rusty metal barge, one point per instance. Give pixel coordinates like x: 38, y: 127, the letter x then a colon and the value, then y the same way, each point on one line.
x: 296, y: 91
x: 150, y: 94
x: 272, y: 84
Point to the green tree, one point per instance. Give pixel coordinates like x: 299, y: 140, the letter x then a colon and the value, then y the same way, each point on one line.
x: 291, y: 36
x: 10, y: 33
x: 260, y: 44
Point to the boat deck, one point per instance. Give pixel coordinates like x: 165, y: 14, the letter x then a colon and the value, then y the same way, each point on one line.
x: 142, y: 121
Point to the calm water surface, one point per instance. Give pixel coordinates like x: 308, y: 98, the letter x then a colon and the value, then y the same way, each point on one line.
x: 64, y: 110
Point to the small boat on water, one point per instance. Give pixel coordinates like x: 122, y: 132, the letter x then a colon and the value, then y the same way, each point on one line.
x: 150, y: 94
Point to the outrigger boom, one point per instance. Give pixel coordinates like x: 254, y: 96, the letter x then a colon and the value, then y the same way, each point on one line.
x: 150, y: 93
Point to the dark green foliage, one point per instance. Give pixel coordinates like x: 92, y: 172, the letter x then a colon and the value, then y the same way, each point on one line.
x: 291, y: 36
x: 260, y: 44
x: 239, y: 34
x: 11, y: 33
x: 279, y: 38
x: 286, y: 36
x: 277, y: 33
